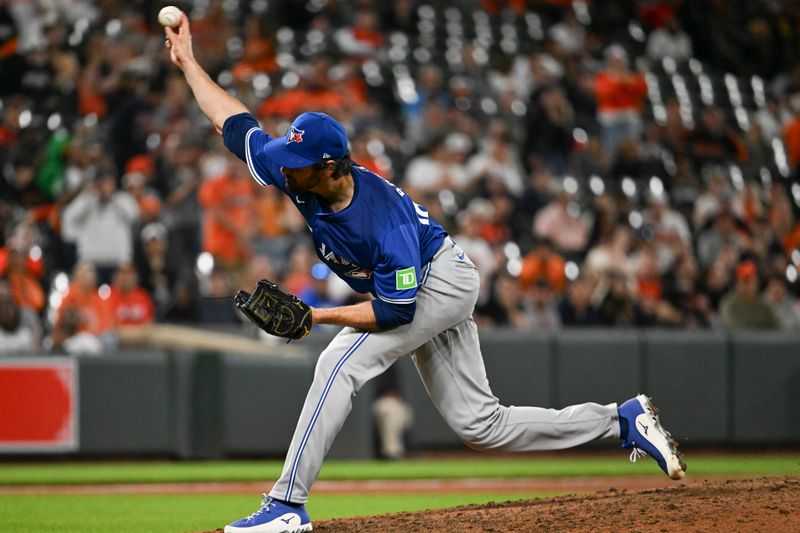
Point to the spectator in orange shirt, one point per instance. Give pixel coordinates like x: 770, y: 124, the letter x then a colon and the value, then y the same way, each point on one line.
x: 363, y: 39
x: 258, y: 53
x: 130, y: 303
x: 229, y: 219
x: 543, y: 262
x: 83, y: 296
x: 620, y: 94
x: 277, y: 221
x: 20, y: 270
x: 312, y: 92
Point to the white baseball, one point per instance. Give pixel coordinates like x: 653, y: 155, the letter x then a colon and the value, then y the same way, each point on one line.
x: 169, y: 16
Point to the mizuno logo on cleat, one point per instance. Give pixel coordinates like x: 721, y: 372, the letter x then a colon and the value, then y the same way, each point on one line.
x: 644, y: 428
x: 286, y: 520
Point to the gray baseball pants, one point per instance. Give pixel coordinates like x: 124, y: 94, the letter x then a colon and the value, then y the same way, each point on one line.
x: 443, y: 341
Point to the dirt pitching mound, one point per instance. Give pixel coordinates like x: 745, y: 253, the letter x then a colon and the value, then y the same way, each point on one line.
x: 764, y: 504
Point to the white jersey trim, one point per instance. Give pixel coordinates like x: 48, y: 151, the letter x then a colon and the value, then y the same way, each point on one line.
x: 249, y: 158
x: 398, y: 300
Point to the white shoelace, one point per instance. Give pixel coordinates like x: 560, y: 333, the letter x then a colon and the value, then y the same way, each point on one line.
x: 265, y: 505
x: 637, y: 453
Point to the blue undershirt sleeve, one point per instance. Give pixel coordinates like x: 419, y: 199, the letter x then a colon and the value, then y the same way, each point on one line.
x: 389, y: 315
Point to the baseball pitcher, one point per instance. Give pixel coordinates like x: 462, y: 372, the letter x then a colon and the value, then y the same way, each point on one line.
x: 379, y: 241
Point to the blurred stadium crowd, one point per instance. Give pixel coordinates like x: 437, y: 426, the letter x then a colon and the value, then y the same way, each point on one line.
x: 614, y: 163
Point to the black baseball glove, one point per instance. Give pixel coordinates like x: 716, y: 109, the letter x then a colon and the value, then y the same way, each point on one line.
x: 274, y: 311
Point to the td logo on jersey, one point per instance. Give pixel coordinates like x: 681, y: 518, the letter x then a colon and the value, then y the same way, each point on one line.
x: 406, y: 279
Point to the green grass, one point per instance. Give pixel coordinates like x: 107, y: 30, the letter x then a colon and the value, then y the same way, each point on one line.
x: 122, y: 513
x: 479, y: 467
x: 172, y: 513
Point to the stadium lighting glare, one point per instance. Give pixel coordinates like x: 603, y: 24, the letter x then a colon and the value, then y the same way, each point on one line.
x: 426, y: 26
x: 579, y: 135
x: 448, y: 200
x: 669, y: 162
x: 570, y: 184
x: 61, y: 282
x: 791, y: 273
x: 285, y: 36
x: 737, y: 178
x: 104, y: 291
x: 668, y: 64
x: 684, y: 100
x: 25, y: 118
x: 534, y: 24
x: 796, y: 256
x: 153, y: 141
x: 488, y: 106
x: 706, y: 90
x: 54, y: 121
x: 582, y: 13
x: 285, y: 60
x: 596, y: 185
x: 511, y: 250
x: 455, y: 30
x: 261, y: 82
x: 454, y: 56
x: 758, y: 92
x: 35, y: 253
x: 205, y: 263
x: 397, y: 38
x: 656, y: 186
x: 766, y: 176
x: 571, y: 270
x: 660, y: 114
x: 235, y: 47
x: 733, y: 90
x: 55, y: 300
x: 90, y: 120
x: 315, y: 37
x: 796, y: 193
x: 635, y: 219
x: 113, y: 27
x: 225, y: 78
x: 290, y: 79
x: 695, y: 66
x: 514, y: 267
x: 780, y: 157
x: 375, y: 147
x: 742, y: 118
x: 426, y: 12
x: 397, y: 54
x: 452, y: 14
x: 636, y: 31
x: 259, y: 6
x: 422, y: 55
x: 518, y: 107
x: 628, y: 186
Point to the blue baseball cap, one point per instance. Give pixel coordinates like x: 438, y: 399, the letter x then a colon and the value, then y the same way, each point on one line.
x: 312, y: 137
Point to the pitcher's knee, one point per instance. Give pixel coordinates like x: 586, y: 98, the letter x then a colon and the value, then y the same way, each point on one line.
x: 481, y: 436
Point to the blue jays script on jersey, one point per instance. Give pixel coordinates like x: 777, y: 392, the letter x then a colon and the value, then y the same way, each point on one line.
x: 381, y: 243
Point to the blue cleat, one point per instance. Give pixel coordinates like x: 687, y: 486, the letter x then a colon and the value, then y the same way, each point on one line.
x: 646, y: 436
x: 273, y: 517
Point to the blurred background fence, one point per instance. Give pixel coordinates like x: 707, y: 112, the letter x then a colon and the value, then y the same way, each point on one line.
x: 716, y: 389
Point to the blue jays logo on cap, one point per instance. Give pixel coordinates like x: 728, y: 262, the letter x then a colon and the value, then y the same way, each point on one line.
x: 294, y: 135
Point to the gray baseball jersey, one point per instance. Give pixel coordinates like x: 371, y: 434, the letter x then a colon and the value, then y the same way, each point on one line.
x: 443, y: 341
